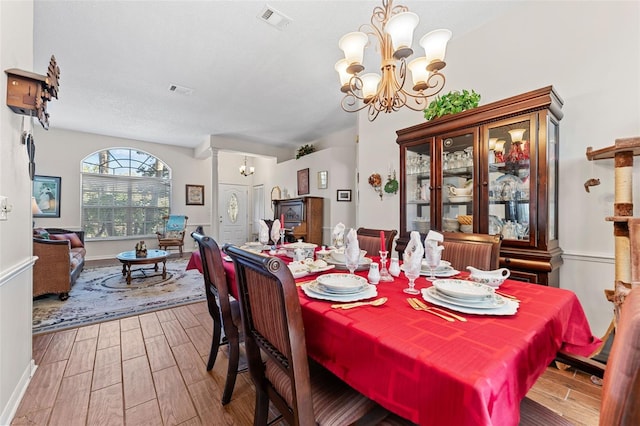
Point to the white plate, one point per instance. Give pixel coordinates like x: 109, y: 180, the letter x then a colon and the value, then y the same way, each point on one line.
x: 341, y: 282
x: 311, y: 290
x: 460, y: 198
x: 496, y: 301
x: 299, y: 273
x: 462, y: 289
x: 440, y: 273
x: 363, y: 265
x: 253, y: 248
x: 509, y: 308
x: 313, y: 270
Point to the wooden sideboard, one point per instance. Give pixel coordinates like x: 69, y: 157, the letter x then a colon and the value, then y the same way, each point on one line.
x: 304, y: 215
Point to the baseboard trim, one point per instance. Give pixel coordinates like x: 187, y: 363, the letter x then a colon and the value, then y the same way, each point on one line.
x: 18, y: 393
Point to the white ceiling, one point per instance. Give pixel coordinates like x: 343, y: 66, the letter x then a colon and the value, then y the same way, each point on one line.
x: 250, y: 81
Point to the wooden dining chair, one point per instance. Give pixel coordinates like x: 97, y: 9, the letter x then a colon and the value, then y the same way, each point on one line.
x: 619, y: 404
x: 481, y: 251
x: 369, y: 240
x: 303, y: 391
x: 224, y: 309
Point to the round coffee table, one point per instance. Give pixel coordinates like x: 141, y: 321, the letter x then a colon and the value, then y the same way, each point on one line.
x: 128, y: 258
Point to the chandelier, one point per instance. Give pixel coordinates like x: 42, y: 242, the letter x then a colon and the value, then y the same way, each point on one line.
x: 246, y: 171
x: 392, y: 27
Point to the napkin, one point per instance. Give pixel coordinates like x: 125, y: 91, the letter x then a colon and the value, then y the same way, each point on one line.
x: 414, y: 252
x: 352, y: 249
x: 275, y: 231
x: 337, y: 237
x: 433, y: 238
x: 263, y: 232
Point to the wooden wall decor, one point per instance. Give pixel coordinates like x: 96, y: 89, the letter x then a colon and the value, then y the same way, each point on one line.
x: 28, y: 92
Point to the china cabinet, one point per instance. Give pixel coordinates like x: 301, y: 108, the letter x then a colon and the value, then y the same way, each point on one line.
x: 303, y: 215
x: 490, y: 170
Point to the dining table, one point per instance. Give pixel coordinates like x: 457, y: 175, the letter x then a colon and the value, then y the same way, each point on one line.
x: 437, y: 372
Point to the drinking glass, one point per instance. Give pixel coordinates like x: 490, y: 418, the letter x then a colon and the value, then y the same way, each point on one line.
x: 281, y: 237
x: 412, y: 272
x: 351, y: 261
x: 433, y: 254
x: 263, y: 238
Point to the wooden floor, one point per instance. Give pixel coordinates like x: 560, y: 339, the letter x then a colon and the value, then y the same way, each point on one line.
x: 151, y: 369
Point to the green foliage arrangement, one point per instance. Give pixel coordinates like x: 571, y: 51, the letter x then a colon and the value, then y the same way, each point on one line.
x: 304, y: 150
x: 452, y: 103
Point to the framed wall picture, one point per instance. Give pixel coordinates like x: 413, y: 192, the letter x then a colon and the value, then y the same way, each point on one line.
x: 46, y: 191
x: 323, y: 179
x: 195, y: 195
x: 343, y: 195
x: 303, y: 182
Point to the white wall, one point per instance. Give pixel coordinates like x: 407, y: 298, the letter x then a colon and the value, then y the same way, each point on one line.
x: 590, y: 52
x: 338, y: 161
x: 16, y: 51
x: 60, y: 153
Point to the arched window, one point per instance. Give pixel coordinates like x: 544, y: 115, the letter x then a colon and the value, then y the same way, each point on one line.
x: 125, y: 193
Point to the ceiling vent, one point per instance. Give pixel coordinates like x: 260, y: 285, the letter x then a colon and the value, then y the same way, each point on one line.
x: 180, y: 89
x: 274, y: 18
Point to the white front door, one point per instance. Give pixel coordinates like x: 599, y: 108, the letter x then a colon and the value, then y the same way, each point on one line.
x: 234, y: 215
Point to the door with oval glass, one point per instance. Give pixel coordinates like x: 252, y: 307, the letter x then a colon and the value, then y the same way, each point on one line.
x: 232, y: 208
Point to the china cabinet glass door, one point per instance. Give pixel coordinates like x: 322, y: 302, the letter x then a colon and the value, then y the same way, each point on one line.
x: 509, y: 158
x: 457, y: 183
x: 417, y: 186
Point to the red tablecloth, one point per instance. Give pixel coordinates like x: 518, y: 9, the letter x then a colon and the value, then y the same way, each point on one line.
x: 434, y: 372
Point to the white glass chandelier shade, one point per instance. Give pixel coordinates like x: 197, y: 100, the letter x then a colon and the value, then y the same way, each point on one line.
x: 435, y: 46
x: 419, y: 73
x: 246, y: 171
x: 370, y: 85
x: 500, y: 145
x: 352, y: 44
x: 390, y: 35
x: 492, y: 143
x: 341, y: 68
x: 400, y: 27
x: 517, y: 134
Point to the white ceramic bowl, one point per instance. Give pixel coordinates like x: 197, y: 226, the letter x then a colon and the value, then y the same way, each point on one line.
x: 308, y: 249
x: 338, y: 255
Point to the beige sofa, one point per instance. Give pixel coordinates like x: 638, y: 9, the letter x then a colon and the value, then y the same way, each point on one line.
x: 61, y: 255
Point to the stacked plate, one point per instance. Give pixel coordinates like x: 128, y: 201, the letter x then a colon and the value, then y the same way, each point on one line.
x: 340, y: 288
x: 363, y: 264
x: 469, y: 297
x: 444, y: 270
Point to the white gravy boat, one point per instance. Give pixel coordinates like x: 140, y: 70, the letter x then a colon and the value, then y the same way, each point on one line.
x: 491, y: 278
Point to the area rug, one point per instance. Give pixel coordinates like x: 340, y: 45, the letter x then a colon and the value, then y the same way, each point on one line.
x: 102, y: 294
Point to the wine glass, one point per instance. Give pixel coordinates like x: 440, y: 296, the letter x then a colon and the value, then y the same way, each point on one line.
x: 263, y: 237
x: 433, y: 254
x: 412, y: 272
x: 351, y: 259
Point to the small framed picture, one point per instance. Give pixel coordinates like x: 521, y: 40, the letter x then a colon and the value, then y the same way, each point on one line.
x: 343, y: 195
x: 323, y: 179
x: 195, y: 195
x: 303, y: 182
x: 46, y: 192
